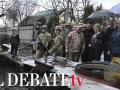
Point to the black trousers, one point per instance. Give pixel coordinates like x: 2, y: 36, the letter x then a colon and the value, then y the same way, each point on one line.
x: 107, y: 56
x: 96, y: 52
x: 86, y: 56
x: 14, y: 49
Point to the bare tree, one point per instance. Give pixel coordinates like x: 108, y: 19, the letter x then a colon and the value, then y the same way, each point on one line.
x: 58, y: 5
x: 76, y: 9
x: 71, y: 8
x: 17, y: 10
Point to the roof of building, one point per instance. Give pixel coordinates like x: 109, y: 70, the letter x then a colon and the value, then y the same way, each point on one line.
x: 45, y: 13
x: 30, y: 20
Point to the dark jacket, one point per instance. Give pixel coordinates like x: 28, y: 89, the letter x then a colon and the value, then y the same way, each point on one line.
x: 97, y: 39
x: 96, y: 46
x: 86, y: 56
x: 107, y: 37
x: 115, y: 44
x: 15, y: 40
x: 87, y: 35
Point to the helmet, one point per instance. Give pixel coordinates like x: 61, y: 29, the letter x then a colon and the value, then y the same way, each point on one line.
x: 58, y: 28
x: 44, y: 26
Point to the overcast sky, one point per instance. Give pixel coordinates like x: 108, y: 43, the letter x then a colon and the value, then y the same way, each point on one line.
x: 107, y: 4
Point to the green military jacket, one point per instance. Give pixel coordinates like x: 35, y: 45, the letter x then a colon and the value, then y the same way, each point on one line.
x: 57, y: 47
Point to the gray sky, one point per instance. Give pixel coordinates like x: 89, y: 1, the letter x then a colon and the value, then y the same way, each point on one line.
x: 107, y: 4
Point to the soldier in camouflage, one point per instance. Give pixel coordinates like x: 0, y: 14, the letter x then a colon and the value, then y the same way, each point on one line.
x: 57, y: 47
x: 75, y: 44
x: 43, y: 40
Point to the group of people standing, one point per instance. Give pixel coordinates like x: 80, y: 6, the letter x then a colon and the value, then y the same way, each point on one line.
x: 102, y: 40
x: 65, y: 41
x: 84, y: 42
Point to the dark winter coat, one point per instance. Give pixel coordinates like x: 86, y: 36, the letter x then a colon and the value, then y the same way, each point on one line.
x: 96, y: 39
x: 86, y: 56
x: 115, y: 44
x: 15, y: 40
x: 88, y: 34
x: 96, y: 46
x: 107, y: 37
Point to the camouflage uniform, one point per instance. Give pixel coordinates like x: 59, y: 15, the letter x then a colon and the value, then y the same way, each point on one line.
x: 57, y: 47
x: 37, y: 30
x: 74, y: 45
x: 43, y: 40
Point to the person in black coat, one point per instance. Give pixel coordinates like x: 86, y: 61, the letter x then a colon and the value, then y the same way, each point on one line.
x: 115, y: 44
x: 88, y: 32
x: 107, y: 40
x: 14, y: 41
x: 96, y: 43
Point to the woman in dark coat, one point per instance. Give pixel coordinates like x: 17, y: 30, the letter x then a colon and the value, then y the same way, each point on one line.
x: 96, y: 43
